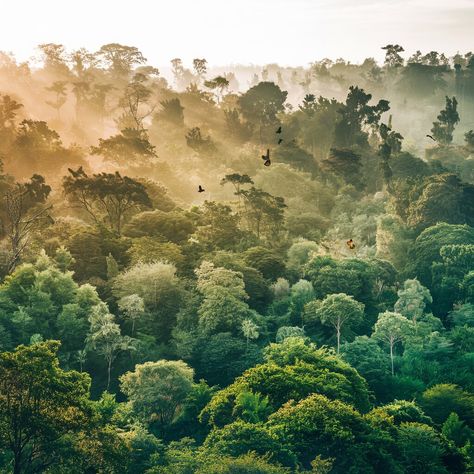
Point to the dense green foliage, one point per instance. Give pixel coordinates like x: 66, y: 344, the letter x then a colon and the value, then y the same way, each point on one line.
x: 313, y: 314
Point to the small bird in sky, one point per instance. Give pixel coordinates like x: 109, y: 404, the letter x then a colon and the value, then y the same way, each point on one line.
x: 266, y: 158
x: 77, y: 173
x: 279, y: 130
x: 280, y: 140
x: 200, y: 189
x: 350, y: 243
x: 429, y: 136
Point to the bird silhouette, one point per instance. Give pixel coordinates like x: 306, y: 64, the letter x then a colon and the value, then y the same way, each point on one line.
x: 266, y: 158
x: 279, y: 130
x: 429, y: 136
x: 350, y: 243
x: 201, y: 189
x: 280, y: 140
x: 76, y: 174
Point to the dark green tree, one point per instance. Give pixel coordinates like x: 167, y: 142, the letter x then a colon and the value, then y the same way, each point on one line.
x: 443, y: 128
x: 41, y: 405
x: 260, y: 106
x: 392, y: 55
x: 355, y: 115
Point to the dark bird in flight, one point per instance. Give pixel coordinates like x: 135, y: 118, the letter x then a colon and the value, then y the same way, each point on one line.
x: 201, y: 189
x: 429, y: 136
x: 78, y: 173
x: 350, y: 243
x: 266, y: 158
x: 279, y: 130
x: 280, y: 140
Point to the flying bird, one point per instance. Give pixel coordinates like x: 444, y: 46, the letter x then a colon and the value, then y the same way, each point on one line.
x: 266, y: 158
x: 350, y: 243
x: 429, y: 136
x: 279, y: 130
x: 201, y: 189
x: 78, y: 173
x: 280, y: 140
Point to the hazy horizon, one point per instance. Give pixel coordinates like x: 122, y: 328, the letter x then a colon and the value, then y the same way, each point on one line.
x: 290, y: 33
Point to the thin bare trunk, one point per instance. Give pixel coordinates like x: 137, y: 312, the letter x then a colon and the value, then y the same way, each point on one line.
x: 391, y: 356
x: 109, y: 367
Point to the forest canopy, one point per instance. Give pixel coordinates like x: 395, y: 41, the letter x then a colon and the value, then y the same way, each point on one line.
x: 260, y: 269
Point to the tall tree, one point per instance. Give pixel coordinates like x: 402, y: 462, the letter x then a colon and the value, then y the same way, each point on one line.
x: 130, y: 147
x: 249, y: 330
x: 58, y: 88
x: 237, y: 180
x: 200, y: 68
x: 260, y: 106
x: 392, y: 55
x: 105, y: 337
x: 340, y: 311
x: 135, y: 103
x: 106, y: 197
x: 8, y: 112
x: 262, y: 211
x: 391, y: 328
x: 54, y: 58
x: 25, y: 211
x: 132, y: 308
x: 391, y: 143
x: 355, y: 116
x: 443, y: 128
x: 120, y: 59
x: 219, y: 84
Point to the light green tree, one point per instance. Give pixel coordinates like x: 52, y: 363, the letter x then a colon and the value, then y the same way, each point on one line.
x: 250, y: 330
x: 105, y: 336
x: 340, y: 311
x: 132, y: 308
x: 391, y: 328
x: 412, y: 300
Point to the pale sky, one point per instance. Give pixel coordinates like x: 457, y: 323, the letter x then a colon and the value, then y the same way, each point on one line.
x: 289, y: 32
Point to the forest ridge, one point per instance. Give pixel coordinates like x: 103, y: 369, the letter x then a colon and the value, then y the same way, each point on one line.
x: 245, y: 269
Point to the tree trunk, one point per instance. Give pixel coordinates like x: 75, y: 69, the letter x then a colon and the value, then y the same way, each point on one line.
x: 109, y: 367
x: 391, y: 356
x: 338, y: 331
x: 17, y: 463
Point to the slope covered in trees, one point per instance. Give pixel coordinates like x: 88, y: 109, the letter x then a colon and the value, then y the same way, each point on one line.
x: 171, y: 303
